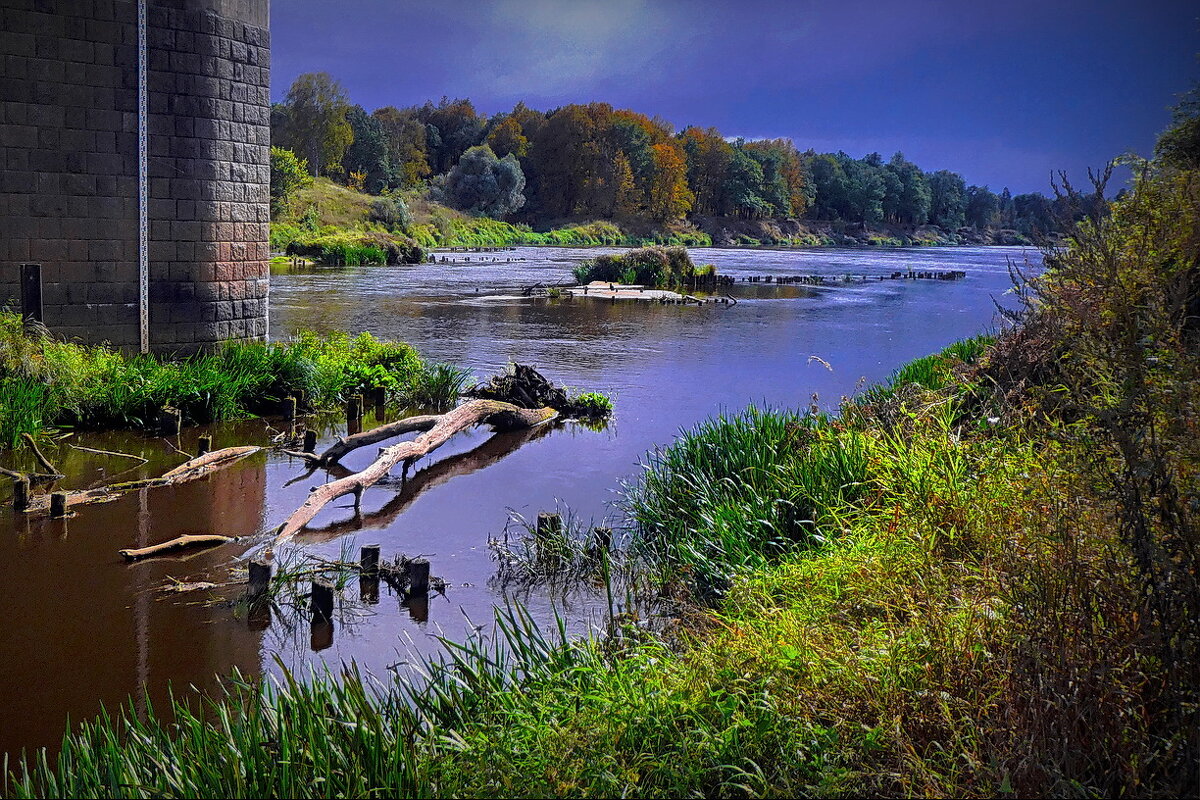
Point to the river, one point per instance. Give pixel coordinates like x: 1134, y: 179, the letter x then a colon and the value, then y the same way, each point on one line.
x: 84, y: 628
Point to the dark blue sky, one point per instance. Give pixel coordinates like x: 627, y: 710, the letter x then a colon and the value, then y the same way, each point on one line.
x: 1003, y: 92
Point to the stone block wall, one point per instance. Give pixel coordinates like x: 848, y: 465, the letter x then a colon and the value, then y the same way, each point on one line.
x: 69, y: 171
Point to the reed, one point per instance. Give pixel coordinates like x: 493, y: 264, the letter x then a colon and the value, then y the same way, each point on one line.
x: 46, y: 383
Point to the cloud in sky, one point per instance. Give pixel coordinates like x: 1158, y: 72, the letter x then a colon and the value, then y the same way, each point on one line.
x: 1003, y: 93
x: 556, y: 47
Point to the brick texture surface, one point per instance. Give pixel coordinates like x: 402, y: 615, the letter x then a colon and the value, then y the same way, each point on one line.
x: 69, y: 168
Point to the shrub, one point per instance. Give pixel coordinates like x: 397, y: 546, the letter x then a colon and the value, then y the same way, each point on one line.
x: 648, y: 266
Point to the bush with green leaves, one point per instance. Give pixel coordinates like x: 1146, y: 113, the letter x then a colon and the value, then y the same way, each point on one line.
x: 648, y: 266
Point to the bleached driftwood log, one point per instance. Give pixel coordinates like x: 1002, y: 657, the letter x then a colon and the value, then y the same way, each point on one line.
x: 348, y: 444
x: 189, y: 471
x: 502, y: 415
x: 178, y: 543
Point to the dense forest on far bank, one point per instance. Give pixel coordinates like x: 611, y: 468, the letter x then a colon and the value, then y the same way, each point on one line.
x: 435, y: 167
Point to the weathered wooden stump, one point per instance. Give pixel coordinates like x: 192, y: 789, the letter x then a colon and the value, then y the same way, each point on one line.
x: 354, y: 408
x: 368, y: 561
x: 322, y: 600
x: 20, y: 494
x: 58, y: 505
x: 418, y: 577
x: 170, y: 421
x: 260, y: 578
x: 203, y: 446
x: 310, y: 441
x: 288, y: 408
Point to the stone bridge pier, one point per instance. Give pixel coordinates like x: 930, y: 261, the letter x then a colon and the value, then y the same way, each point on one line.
x: 136, y: 167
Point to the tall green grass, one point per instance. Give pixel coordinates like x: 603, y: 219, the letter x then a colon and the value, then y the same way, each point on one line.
x: 736, y: 493
x: 48, y: 383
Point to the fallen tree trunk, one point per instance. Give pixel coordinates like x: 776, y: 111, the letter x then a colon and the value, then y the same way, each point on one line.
x: 486, y: 454
x: 189, y: 471
x: 348, y: 444
x: 178, y: 543
x: 202, y: 465
x: 475, y: 412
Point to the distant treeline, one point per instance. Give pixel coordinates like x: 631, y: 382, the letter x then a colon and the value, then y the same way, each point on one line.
x: 595, y: 162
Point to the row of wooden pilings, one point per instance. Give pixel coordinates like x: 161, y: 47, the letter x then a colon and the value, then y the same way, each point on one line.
x: 433, y: 259
x: 826, y: 280
x: 412, y: 576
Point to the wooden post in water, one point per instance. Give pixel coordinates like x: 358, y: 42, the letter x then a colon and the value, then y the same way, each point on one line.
x: 368, y: 560
x: 379, y: 393
x: 204, y: 445
x: 58, y: 505
x: 418, y: 576
x: 310, y: 441
x: 368, y: 573
x: 549, y: 524
x: 289, y: 407
x: 260, y: 578
x: 603, y: 537
x: 20, y: 494
x: 170, y: 420
x: 322, y: 601
x: 354, y: 408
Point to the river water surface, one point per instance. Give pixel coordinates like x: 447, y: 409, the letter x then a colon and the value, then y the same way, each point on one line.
x: 83, y: 628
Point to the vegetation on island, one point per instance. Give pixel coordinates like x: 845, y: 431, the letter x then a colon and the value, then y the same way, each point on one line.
x: 539, y: 176
x: 656, y: 267
x: 47, y: 384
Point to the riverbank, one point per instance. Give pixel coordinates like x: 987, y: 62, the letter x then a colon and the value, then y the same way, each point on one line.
x: 881, y: 605
x: 344, y: 226
x: 46, y: 384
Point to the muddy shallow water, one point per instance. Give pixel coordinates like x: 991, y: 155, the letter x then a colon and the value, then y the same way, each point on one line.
x: 85, y: 628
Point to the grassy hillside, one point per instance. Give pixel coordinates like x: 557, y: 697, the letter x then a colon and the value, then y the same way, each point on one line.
x: 326, y: 209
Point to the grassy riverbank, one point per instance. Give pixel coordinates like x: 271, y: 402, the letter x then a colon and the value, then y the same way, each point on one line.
x: 48, y: 384
x: 343, y: 226
x: 911, y: 598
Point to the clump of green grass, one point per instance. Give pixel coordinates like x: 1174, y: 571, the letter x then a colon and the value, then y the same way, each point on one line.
x: 434, y: 386
x: 562, y: 553
x: 48, y: 383
x: 591, y: 404
x: 738, y: 492
x: 352, y: 248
